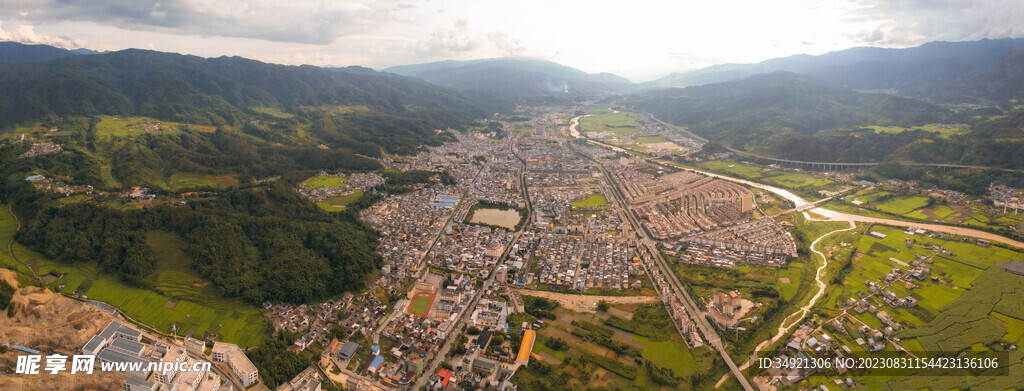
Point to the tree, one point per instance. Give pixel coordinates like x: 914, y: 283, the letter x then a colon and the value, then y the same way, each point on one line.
x: 603, y: 306
x: 473, y: 330
x: 339, y: 331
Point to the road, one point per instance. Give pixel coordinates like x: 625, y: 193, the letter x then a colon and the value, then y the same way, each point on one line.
x: 441, y: 354
x: 800, y: 205
x: 677, y: 288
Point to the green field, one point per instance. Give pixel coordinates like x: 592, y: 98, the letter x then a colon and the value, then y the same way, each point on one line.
x: 946, y: 132
x: 588, y: 359
x: 804, y: 184
x: 184, y: 181
x: 420, y: 305
x: 335, y: 204
x: 591, y: 201
x: 115, y: 126
x: 902, y: 205
x: 737, y: 169
x: 185, y: 298
x: 324, y: 181
x: 669, y: 354
x: 272, y: 112
x: 621, y: 123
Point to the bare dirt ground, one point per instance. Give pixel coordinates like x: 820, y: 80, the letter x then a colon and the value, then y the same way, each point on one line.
x: 45, y: 321
x: 10, y: 277
x: 586, y: 303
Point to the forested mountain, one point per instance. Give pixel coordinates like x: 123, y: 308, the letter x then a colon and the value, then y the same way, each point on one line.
x: 261, y: 128
x: 210, y: 91
x: 1000, y: 82
x: 755, y: 109
x: 515, y: 78
x: 918, y: 71
x: 19, y: 53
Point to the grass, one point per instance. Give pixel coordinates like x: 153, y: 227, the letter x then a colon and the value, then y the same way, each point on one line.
x: 272, y: 112
x: 324, y: 181
x: 621, y: 123
x: 184, y: 181
x: 931, y: 128
x: 179, y: 296
x: 114, y: 126
x: 669, y: 354
x: 737, y: 169
x: 591, y: 201
x: 902, y: 205
x: 420, y: 305
x: 335, y: 204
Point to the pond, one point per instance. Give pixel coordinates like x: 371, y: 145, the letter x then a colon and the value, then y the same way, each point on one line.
x: 491, y: 216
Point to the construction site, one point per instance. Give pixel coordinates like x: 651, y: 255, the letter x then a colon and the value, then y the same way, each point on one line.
x: 682, y: 203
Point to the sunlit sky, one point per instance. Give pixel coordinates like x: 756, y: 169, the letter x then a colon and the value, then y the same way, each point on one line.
x: 637, y: 39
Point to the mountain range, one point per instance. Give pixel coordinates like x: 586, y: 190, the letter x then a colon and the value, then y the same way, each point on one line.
x: 515, y: 78
x: 753, y: 109
x: 910, y: 71
x: 210, y: 91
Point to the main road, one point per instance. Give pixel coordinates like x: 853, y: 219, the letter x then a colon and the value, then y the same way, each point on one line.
x: 692, y: 310
x: 442, y: 352
x: 800, y: 205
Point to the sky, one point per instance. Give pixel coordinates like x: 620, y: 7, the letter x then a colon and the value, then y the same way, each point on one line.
x: 638, y: 39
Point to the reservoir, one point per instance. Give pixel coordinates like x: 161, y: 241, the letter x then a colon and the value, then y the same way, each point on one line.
x: 491, y: 216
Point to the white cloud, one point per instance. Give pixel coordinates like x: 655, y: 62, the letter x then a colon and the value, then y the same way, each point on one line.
x: 25, y: 33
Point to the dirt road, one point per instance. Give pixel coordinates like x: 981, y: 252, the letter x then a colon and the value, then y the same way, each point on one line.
x: 586, y: 303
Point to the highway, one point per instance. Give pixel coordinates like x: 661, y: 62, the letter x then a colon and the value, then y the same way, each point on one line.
x: 677, y: 288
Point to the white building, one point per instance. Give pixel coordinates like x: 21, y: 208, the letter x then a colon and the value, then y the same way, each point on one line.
x: 243, y: 369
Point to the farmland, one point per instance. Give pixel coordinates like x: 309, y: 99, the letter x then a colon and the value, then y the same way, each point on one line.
x: 324, y: 181
x: 887, y: 202
x: 618, y: 123
x: 579, y: 350
x: 113, y: 126
x: 804, y: 184
x: 968, y: 304
x: 338, y: 203
x: 944, y: 131
x: 184, y: 181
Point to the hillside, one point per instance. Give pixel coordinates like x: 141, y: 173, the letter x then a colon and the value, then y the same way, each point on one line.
x: 208, y: 91
x: 515, y: 78
x: 220, y: 143
x: 916, y: 71
x: 1000, y: 82
x: 19, y: 53
x: 755, y: 109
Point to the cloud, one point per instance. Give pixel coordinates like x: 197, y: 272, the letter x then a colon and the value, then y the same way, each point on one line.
x: 449, y: 42
x: 302, y: 21
x: 506, y: 44
x: 912, y: 22
x: 25, y: 33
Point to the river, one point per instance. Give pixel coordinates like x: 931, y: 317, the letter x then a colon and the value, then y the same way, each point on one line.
x: 839, y: 216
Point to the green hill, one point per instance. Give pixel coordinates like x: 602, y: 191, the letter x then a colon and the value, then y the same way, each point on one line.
x: 753, y: 110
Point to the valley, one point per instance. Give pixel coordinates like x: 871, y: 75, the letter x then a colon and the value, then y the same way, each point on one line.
x: 515, y: 223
